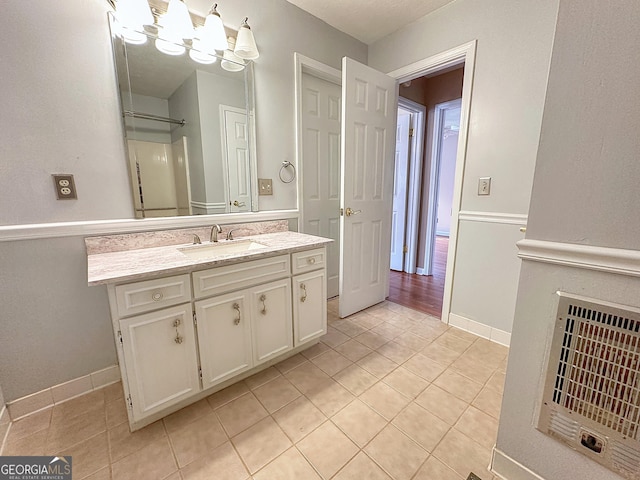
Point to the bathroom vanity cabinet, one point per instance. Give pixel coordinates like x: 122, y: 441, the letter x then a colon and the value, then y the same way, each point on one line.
x: 182, y: 337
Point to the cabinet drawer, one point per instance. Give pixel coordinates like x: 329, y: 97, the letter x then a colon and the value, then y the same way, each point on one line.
x: 139, y: 297
x: 233, y: 277
x: 308, y: 260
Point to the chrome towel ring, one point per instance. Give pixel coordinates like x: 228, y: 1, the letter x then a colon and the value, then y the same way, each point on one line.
x: 286, y: 164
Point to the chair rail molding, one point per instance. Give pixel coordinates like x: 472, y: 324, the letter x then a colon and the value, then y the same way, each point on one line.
x: 103, y: 227
x: 604, y: 259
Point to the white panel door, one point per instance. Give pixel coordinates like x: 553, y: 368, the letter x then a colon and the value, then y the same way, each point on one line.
x: 160, y: 356
x: 271, y: 325
x: 400, y: 182
x: 369, y: 111
x: 235, y: 146
x: 224, y: 337
x: 321, y: 168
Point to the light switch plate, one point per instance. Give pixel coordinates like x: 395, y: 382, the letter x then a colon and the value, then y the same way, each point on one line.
x: 484, y: 186
x: 65, y: 186
x: 265, y: 186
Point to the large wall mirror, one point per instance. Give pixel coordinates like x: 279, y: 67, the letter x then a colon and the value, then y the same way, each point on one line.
x: 188, y: 131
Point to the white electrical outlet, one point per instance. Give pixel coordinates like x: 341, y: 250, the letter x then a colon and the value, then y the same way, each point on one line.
x: 484, y: 186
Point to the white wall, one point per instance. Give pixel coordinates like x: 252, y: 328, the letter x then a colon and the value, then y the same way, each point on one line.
x: 60, y: 113
x: 513, y: 53
x: 147, y: 130
x: 585, y: 192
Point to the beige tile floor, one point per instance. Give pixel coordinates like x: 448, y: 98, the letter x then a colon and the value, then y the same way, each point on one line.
x: 389, y: 393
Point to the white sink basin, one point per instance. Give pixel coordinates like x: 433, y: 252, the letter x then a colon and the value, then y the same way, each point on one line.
x: 212, y: 250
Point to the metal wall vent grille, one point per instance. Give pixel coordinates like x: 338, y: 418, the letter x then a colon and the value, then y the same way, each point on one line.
x: 625, y: 458
x: 592, y: 392
x: 563, y: 426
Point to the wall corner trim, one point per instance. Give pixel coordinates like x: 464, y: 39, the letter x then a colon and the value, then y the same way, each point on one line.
x: 604, y: 259
x: 506, y: 467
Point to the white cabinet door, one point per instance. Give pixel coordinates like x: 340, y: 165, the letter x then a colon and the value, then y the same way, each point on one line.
x: 224, y: 337
x: 309, y: 306
x: 160, y: 357
x: 272, y: 328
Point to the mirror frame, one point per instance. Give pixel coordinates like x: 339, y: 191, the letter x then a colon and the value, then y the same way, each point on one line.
x: 249, y: 87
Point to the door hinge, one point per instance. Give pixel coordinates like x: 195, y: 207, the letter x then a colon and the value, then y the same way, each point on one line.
x: 129, y: 401
x: 405, y: 249
x: 120, y: 336
x: 200, y: 372
x: 411, y: 132
x: 195, y: 319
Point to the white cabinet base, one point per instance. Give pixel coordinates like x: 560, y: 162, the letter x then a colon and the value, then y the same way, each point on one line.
x: 137, y: 425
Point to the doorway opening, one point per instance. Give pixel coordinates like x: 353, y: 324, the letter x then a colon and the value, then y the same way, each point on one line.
x: 426, y: 152
x: 461, y: 57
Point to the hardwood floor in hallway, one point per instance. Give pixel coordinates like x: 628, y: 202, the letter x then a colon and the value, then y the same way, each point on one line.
x: 421, y: 292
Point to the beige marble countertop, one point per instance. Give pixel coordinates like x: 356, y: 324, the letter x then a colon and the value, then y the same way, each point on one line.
x: 144, y: 263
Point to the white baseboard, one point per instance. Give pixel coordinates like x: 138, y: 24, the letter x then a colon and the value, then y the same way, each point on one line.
x: 507, y: 468
x: 51, y: 396
x: 484, y: 331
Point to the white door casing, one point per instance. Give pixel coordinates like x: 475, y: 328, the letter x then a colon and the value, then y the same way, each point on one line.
x: 369, y: 104
x: 400, y: 183
x: 320, y: 130
x: 235, y: 153
x: 463, y: 54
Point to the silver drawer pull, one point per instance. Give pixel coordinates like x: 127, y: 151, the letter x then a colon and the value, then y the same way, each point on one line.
x: 303, y: 298
x: 311, y: 260
x: 263, y: 298
x: 179, y: 339
x: 156, y: 296
x: 237, y: 308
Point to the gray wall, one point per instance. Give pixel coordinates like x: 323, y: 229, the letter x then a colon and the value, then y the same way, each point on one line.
x: 585, y: 192
x: 61, y: 114
x: 514, y: 39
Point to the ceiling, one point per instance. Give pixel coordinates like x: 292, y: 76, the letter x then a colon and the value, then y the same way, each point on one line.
x: 369, y: 20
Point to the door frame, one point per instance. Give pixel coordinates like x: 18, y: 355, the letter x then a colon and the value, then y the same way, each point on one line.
x: 415, y: 180
x: 325, y: 72
x: 434, y: 182
x: 466, y: 54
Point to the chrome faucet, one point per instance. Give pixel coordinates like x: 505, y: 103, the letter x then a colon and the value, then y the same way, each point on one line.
x: 230, y: 234
x: 196, y: 239
x: 215, y: 230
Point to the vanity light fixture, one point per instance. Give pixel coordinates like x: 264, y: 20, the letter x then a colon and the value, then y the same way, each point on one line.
x: 230, y: 62
x: 246, y: 47
x: 175, y: 26
x: 135, y: 19
x: 209, y: 38
x: 133, y: 15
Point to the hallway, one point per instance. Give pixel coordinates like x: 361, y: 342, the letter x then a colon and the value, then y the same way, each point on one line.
x: 420, y: 292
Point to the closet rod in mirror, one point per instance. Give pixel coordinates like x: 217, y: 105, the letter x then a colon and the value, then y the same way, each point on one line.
x: 157, y: 118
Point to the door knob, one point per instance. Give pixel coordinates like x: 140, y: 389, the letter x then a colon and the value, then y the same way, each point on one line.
x: 349, y: 211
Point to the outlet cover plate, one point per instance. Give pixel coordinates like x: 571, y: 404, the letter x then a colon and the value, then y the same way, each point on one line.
x: 484, y: 186
x: 265, y: 186
x: 65, y: 186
